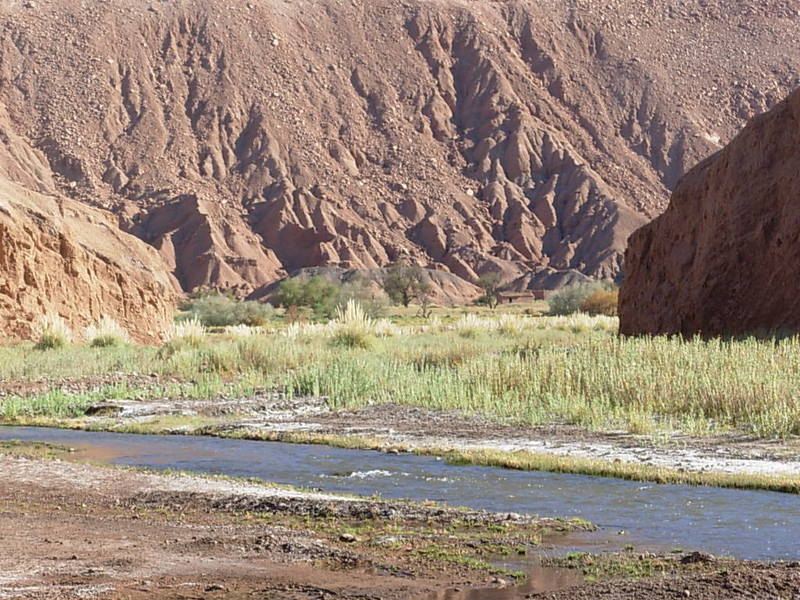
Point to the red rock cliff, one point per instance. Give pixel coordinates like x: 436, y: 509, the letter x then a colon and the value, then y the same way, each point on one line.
x: 725, y: 256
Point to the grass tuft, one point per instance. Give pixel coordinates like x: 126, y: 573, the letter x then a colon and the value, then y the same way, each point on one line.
x: 51, y: 332
x: 106, y: 333
x: 188, y: 333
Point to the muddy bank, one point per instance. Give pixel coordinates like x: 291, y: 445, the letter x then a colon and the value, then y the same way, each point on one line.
x: 70, y: 530
x: 109, y: 533
x: 418, y: 428
x: 722, y: 582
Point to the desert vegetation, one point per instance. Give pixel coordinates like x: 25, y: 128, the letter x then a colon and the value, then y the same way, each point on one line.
x: 523, y: 369
x: 317, y: 299
x: 51, y: 331
x: 106, y: 332
x: 598, y: 298
x: 223, y: 310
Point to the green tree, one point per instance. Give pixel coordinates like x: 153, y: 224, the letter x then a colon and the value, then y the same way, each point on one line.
x: 314, y: 293
x: 405, y: 283
x: 490, y: 284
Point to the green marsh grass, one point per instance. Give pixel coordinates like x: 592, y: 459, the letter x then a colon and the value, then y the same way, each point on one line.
x: 535, y: 371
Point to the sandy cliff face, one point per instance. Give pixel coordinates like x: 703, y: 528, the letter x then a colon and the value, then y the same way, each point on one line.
x: 725, y: 256
x: 247, y: 139
x: 60, y: 256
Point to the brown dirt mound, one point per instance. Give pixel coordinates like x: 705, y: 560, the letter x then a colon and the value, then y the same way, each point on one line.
x: 247, y: 139
x: 722, y: 258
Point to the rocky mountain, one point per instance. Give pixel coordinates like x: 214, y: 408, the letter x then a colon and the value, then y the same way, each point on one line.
x: 724, y: 256
x: 246, y: 139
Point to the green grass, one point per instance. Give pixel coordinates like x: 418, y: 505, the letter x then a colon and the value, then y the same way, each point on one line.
x: 531, y: 461
x: 629, y: 565
x: 538, y: 372
x: 59, y: 404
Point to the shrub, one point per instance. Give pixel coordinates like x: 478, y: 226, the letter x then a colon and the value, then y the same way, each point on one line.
x: 222, y: 310
x: 187, y: 333
x: 354, y: 328
x: 296, y: 314
x: 601, y: 302
x: 51, y: 331
x: 106, y: 333
x: 568, y: 300
x: 352, y: 338
x: 314, y: 293
x: 254, y: 314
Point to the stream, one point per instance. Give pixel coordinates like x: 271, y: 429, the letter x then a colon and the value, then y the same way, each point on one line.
x: 742, y: 524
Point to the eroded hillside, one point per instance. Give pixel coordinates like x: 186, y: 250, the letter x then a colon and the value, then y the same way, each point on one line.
x: 247, y: 139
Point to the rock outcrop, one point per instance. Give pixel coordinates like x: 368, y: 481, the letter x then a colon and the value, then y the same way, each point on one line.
x: 725, y: 256
x: 61, y: 256
x: 246, y: 140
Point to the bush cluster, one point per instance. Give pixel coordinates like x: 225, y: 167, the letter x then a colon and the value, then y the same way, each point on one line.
x: 223, y: 310
x: 323, y: 298
x: 314, y: 293
x: 601, y: 302
x: 592, y: 298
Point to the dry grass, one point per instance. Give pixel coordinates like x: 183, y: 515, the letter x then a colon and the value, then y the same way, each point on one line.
x: 106, y: 333
x: 51, y: 332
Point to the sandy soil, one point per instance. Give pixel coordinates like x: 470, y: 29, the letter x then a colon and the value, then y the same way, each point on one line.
x: 412, y: 427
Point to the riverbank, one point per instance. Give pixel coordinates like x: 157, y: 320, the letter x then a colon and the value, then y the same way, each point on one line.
x: 97, y: 532
x: 523, y: 392
x: 724, y: 460
x: 91, y: 531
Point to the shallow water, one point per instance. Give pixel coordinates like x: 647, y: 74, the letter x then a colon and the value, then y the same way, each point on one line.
x: 743, y: 524
x: 539, y: 581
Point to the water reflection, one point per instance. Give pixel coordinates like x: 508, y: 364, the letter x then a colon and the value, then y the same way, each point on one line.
x: 540, y: 580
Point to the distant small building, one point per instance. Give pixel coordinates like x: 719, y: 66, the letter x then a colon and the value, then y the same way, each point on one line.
x: 522, y: 297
